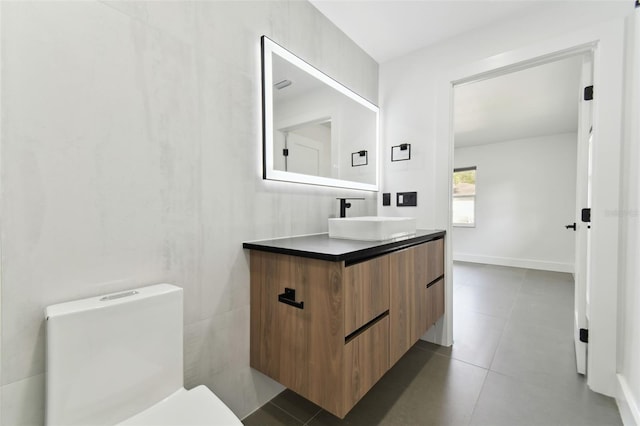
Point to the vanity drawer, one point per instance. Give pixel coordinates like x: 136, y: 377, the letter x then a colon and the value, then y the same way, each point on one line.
x: 366, y: 359
x: 366, y: 292
x: 435, y: 302
x: 431, y: 266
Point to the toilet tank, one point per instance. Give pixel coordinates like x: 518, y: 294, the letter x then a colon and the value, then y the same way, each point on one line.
x: 110, y: 357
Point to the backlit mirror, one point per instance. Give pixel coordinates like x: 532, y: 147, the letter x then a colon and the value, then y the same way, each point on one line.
x: 315, y: 130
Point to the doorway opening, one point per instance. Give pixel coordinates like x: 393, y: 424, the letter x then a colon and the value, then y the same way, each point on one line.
x: 525, y: 135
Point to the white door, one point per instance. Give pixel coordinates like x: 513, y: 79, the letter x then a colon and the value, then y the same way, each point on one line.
x: 583, y: 200
x: 309, y: 149
x: 305, y: 155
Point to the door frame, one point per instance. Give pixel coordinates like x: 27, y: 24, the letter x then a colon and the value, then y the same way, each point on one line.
x: 582, y: 235
x: 607, y: 42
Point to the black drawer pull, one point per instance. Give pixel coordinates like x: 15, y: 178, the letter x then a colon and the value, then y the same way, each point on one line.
x: 435, y: 281
x: 289, y: 298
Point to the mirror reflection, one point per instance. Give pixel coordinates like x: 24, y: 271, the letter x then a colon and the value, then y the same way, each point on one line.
x: 316, y: 130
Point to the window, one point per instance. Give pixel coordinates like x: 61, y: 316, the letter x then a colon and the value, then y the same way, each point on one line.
x: 464, y: 196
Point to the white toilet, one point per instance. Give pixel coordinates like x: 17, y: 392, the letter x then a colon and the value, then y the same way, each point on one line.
x: 117, y: 359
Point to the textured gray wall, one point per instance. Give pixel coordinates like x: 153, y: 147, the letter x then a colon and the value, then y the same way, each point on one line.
x: 131, y: 142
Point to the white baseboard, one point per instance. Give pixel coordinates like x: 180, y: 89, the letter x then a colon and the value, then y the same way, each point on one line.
x: 516, y: 263
x: 627, y: 403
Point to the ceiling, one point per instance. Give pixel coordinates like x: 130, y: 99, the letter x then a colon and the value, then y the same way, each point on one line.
x: 301, y: 81
x: 534, y: 102
x: 387, y: 29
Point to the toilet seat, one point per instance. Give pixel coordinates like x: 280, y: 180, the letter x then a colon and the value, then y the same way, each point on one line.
x: 196, y: 407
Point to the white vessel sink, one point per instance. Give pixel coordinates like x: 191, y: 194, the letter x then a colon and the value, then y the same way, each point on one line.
x: 371, y: 228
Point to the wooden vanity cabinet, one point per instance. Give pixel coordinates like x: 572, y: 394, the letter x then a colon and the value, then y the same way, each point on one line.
x: 334, y: 347
x: 415, y: 306
x: 346, y: 324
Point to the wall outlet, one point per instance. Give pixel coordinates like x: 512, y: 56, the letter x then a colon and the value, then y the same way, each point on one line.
x: 386, y: 198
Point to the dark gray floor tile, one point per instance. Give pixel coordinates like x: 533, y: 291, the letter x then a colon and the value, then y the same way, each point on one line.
x: 432, y: 347
x: 270, y: 415
x: 475, y: 338
x: 507, y: 401
x: 559, y: 294
x: 488, y: 301
x: 373, y: 409
x: 493, y: 280
x: 508, y: 272
x: 554, y: 284
x: 538, y: 355
x: 544, y: 310
x: 465, y: 273
x: 458, y: 293
x: 297, y: 406
x: 423, y: 388
x: 594, y: 409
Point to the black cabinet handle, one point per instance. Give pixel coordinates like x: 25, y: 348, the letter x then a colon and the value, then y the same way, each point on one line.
x: 571, y: 226
x: 435, y: 281
x: 289, y: 298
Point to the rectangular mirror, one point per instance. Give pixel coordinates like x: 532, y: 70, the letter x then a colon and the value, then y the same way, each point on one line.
x: 315, y: 130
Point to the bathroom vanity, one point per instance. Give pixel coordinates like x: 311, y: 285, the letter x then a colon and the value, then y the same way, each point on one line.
x: 329, y: 317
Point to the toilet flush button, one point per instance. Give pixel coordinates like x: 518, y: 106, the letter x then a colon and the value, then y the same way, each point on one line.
x: 118, y: 295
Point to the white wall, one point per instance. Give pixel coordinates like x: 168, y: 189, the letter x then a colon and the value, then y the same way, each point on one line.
x: 415, y: 92
x: 411, y: 107
x: 525, y: 194
x: 629, y: 212
x: 131, y: 141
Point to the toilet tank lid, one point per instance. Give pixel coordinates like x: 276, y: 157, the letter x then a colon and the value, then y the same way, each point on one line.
x: 102, y: 301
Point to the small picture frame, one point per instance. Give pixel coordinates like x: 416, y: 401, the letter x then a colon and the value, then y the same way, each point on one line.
x: 401, y: 152
x: 359, y: 158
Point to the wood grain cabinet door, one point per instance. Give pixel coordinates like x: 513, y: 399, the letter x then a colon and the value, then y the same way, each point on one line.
x: 436, y: 296
x: 366, y: 292
x: 422, y: 312
x: 434, y: 258
x: 402, y: 302
x: 282, y: 350
x: 366, y: 359
x: 430, y: 270
x: 300, y: 347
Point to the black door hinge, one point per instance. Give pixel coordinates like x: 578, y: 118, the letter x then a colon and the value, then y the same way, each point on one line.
x: 586, y: 217
x: 584, y: 335
x: 588, y: 93
x: 285, y: 152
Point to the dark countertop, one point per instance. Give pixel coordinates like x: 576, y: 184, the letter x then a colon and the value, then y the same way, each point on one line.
x: 320, y: 246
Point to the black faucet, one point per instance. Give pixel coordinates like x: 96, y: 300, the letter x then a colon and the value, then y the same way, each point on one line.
x: 344, y: 205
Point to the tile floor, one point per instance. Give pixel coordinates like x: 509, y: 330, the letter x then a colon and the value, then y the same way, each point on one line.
x: 512, y: 363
